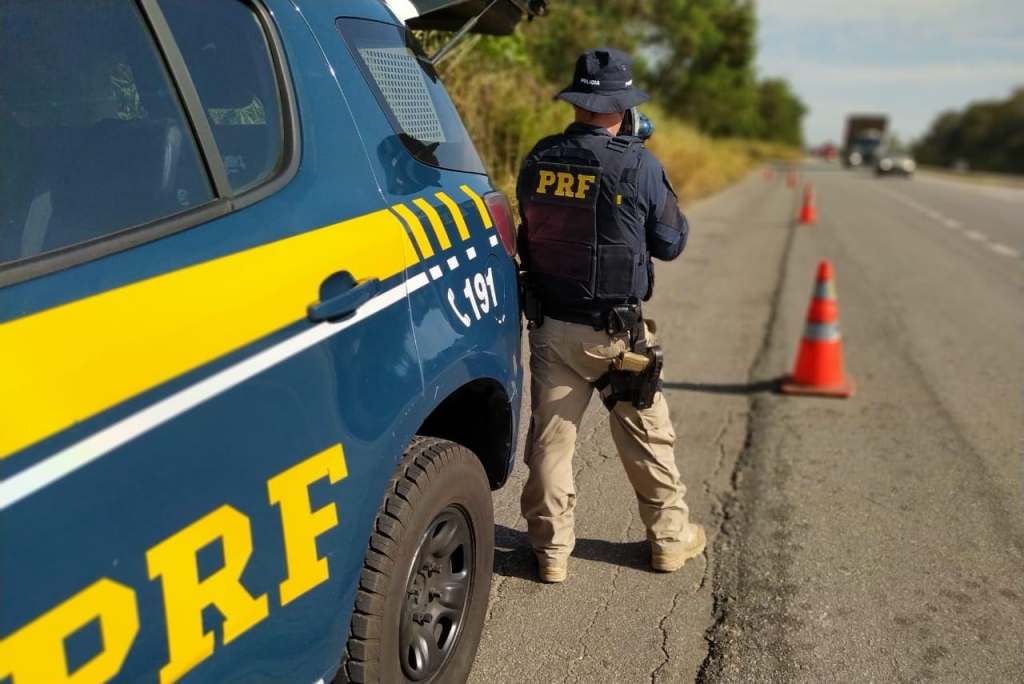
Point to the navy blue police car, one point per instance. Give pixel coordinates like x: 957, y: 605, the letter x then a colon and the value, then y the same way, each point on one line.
x: 259, y: 344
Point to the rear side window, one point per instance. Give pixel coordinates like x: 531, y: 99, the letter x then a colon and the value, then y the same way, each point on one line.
x: 92, y: 136
x: 411, y: 95
x: 228, y: 57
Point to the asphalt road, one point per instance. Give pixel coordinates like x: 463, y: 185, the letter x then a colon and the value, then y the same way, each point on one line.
x: 873, y: 539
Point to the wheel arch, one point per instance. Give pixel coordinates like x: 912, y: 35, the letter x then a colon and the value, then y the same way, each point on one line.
x: 479, y: 416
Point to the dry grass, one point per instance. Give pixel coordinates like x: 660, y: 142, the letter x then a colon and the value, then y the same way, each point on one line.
x: 507, y: 112
x: 698, y: 165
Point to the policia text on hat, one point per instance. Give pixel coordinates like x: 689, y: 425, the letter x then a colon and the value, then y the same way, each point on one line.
x: 596, y: 207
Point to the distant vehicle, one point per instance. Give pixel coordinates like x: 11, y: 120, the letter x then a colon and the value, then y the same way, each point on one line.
x: 829, y: 152
x: 864, y: 136
x: 895, y: 163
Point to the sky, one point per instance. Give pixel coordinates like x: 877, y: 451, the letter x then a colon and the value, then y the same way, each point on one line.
x: 910, y: 59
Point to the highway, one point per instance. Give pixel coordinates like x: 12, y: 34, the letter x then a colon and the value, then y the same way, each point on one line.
x: 870, y: 539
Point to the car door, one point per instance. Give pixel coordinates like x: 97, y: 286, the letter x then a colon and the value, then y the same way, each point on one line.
x: 435, y: 183
x: 205, y: 340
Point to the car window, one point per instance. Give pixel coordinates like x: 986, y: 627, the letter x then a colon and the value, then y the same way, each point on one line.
x: 410, y: 92
x: 228, y: 57
x: 93, y: 136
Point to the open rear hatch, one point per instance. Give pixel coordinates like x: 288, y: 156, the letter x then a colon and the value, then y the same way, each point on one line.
x: 491, y: 17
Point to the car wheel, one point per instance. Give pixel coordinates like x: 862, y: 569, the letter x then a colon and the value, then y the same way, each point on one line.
x: 426, y: 580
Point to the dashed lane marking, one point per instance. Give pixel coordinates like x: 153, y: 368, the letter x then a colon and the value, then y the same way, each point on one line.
x: 953, y: 224
x: 436, y: 272
x: 1004, y: 250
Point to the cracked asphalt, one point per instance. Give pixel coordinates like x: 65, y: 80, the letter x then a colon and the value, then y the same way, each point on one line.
x: 875, y: 539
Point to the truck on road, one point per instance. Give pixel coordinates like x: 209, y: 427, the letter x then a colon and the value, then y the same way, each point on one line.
x: 864, y: 136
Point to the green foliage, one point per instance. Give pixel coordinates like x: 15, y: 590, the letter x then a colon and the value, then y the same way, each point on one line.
x: 694, y: 57
x: 989, y: 136
x: 780, y: 112
x: 574, y: 26
x: 506, y: 110
x: 705, y: 68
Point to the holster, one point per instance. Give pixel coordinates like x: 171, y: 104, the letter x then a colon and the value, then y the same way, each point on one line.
x: 633, y: 377
x: 630, y: 318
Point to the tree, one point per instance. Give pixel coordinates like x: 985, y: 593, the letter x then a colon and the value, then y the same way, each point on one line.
x: 781, y: 112
x: 987, y: 135
x: 694, y: 57
x: 706, y: 74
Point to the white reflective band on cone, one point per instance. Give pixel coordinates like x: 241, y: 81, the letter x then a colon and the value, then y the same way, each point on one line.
x: 826, y: 290
x: 822, y: 331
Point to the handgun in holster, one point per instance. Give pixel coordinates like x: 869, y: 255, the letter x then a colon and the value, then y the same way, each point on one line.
x: 634, y: 377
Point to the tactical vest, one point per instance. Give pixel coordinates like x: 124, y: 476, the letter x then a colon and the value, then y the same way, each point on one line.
x: 584, y: 225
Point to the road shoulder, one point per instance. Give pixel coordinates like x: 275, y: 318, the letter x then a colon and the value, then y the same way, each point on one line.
x: 614, y: 619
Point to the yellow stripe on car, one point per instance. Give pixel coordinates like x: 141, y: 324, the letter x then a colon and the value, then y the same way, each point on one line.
x: 74, y: 361
x: 460, y: 222
x: 485, y: 215
x: 435, y: 222
x: 417, y: 229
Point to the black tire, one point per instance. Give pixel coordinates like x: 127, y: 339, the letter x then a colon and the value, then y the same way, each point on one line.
x: 426, y: 580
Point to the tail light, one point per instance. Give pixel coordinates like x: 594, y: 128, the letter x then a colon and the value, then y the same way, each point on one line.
x: 501, y: 214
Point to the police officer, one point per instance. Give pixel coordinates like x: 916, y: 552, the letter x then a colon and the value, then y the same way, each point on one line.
x: 596, y: 207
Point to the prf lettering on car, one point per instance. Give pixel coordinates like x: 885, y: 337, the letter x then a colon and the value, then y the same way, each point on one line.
x: 36, y: 652
x: 260, y: 354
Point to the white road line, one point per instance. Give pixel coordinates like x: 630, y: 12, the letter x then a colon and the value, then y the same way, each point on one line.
x: 453, y: 263
x: 1003, y: 250
x: 436, y: 272
x: 80, y: 454
x: 953, y: 224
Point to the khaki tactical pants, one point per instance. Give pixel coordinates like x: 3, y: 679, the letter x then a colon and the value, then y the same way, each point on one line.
x: 565, y: 358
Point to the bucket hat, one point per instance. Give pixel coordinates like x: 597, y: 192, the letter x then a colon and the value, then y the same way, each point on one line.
x: 603, y: 82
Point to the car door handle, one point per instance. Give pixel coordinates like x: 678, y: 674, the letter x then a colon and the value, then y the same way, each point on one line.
x: 341, y: 295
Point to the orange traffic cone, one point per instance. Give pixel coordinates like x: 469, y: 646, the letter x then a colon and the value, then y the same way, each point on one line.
x: 819, y: 363
x: 791, y: 179
x: 808, y: 212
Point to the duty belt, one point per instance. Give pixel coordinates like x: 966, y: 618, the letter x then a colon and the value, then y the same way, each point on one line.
x: 595, y: 319
x: 614, y: 320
